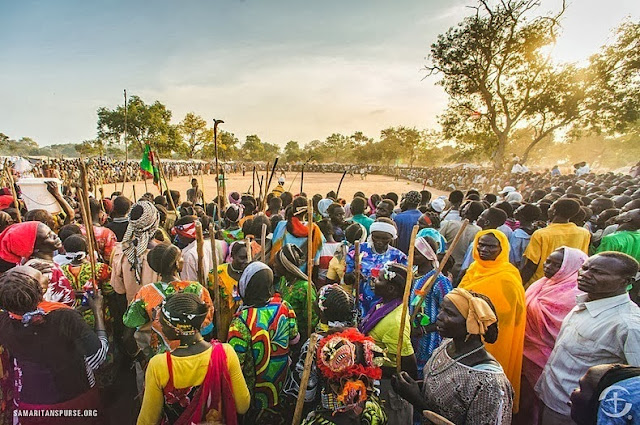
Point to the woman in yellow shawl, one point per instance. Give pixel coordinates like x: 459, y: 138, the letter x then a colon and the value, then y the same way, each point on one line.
x: 492, y: 275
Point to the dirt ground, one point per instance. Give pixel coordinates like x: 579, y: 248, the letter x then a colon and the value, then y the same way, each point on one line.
x: 313, y: 183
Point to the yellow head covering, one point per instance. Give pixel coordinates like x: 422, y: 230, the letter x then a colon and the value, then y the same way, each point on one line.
x: 476, y: 310
x: 485, y: 268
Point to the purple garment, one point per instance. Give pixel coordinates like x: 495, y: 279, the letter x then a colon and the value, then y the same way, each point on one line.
x: 376, y: 314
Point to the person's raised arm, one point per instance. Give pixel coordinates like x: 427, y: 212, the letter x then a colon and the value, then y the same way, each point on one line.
x: 52, y: 188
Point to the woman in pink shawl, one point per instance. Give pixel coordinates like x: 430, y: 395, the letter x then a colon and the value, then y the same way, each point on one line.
x: 549, y: 300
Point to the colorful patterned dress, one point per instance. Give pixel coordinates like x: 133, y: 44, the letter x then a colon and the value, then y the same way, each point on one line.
x: 261, y: 336
x: 428, y: 342
x: 296, y: 295
x: 142, y: 312
x: 370, y: 260
x: 80, y: 279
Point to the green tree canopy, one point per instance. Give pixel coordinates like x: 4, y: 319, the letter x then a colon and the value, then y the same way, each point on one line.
x: 496, y: 67
x: 145, y: 124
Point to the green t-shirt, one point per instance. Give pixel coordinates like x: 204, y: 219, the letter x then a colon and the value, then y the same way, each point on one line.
x: 627, y: 241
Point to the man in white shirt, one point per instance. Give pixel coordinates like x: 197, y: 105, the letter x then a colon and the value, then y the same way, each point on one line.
x: 604, y: 327
x: 185, y: 231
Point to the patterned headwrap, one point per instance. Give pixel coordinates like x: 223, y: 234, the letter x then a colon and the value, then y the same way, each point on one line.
x: 476, y: 310
x: 234, y: 198
x: 139, y: 232
x: 234, y: 212
x: 248, y: 273
x: 289, y: 256
x: 187, y: 230
x: 183, y: 323
x: 425, y: 249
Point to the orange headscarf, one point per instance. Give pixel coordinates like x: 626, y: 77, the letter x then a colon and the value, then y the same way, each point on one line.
x: 501, y: 282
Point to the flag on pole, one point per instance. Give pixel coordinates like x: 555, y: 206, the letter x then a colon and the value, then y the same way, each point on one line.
x: 148, y: 165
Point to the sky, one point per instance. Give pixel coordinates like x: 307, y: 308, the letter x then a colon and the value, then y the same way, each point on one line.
x: 282, y: 69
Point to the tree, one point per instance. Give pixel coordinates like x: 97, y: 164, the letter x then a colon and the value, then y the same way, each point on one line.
x: 227, y: 148
x: 616, y: 77
x: 496, y: 67
x: 145, y: 123
x: 90, y: 148
x: 293, y: 153
x: 193, y: 129
x: 340, y: 147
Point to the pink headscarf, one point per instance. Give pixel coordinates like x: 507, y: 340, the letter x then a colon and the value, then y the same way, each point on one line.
x: 425, y: 249
x: 548, y: 302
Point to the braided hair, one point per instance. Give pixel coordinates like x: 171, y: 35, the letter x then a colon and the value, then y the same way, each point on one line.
x: 185, y: 309
x: 20, y: 292
x: 336, y: 304
x: 163, y: 257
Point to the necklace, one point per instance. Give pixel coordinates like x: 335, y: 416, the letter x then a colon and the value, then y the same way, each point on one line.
x: 191, y: 343
x: 441, y: 359
x: 234, y: 270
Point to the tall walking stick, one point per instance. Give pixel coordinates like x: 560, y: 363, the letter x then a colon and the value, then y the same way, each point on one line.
x: 340, y: 184
x: 217, y: 305
x: 266, y: 191
x: 263, y: 242
x: 309, y: 263
x: 126, y: 145
x: 200, y: 251
x: 14, y: 191
x: 87, y: 220
x: 215, y: 145
x: 304, y: 381
x: 427, y: 286
x: 357, y: 273
x: 405, y: 298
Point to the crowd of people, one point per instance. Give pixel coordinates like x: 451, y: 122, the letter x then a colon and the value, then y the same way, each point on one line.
x: 522, y: 304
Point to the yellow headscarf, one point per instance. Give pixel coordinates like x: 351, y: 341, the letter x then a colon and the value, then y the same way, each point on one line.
x: 485, y: 268
x: 477, y: 311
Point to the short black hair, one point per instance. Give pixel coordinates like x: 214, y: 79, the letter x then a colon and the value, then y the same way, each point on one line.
x: 566, y: 207
x: 530, y: 212
x: 496, y: 216
x: 506, y: 207
x: 68, y: 230
x: 75, y: 243
x: 162, y: 258
x: 358, y: 205
x: 456, y: 197
x: 121, y: 206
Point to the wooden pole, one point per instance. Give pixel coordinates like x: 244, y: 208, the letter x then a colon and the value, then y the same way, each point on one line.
x: 200, y: 251
x: 14, y: 193
x: 253, y: 182
x: 263, y: 242
x: 304, y: 381
x: 166, y: 184
x: 405, y: 298
x: 217, y: 305
x: 126, y: 145
x: 135, y: 196
x: 340, y: 184
x: 357, y: 272
x: 215, y: 145
x: 427, y: 286
x: 204, y: 202
x: 247, y: 243
x: 309, y: 263
x: 266, y: 190
x: 88, y: 223
x: 301, y: 179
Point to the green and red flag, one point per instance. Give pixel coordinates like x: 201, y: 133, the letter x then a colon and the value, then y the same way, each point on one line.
x: 148, y: 165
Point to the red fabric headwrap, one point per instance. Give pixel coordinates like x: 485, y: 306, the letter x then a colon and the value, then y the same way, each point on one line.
x: 18, y: 241
x: 185, y: 230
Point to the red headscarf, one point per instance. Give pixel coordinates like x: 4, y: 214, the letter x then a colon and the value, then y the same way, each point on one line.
x: 18, y: 241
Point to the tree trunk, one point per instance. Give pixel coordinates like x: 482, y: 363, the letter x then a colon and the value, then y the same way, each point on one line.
x: 498, y: 156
